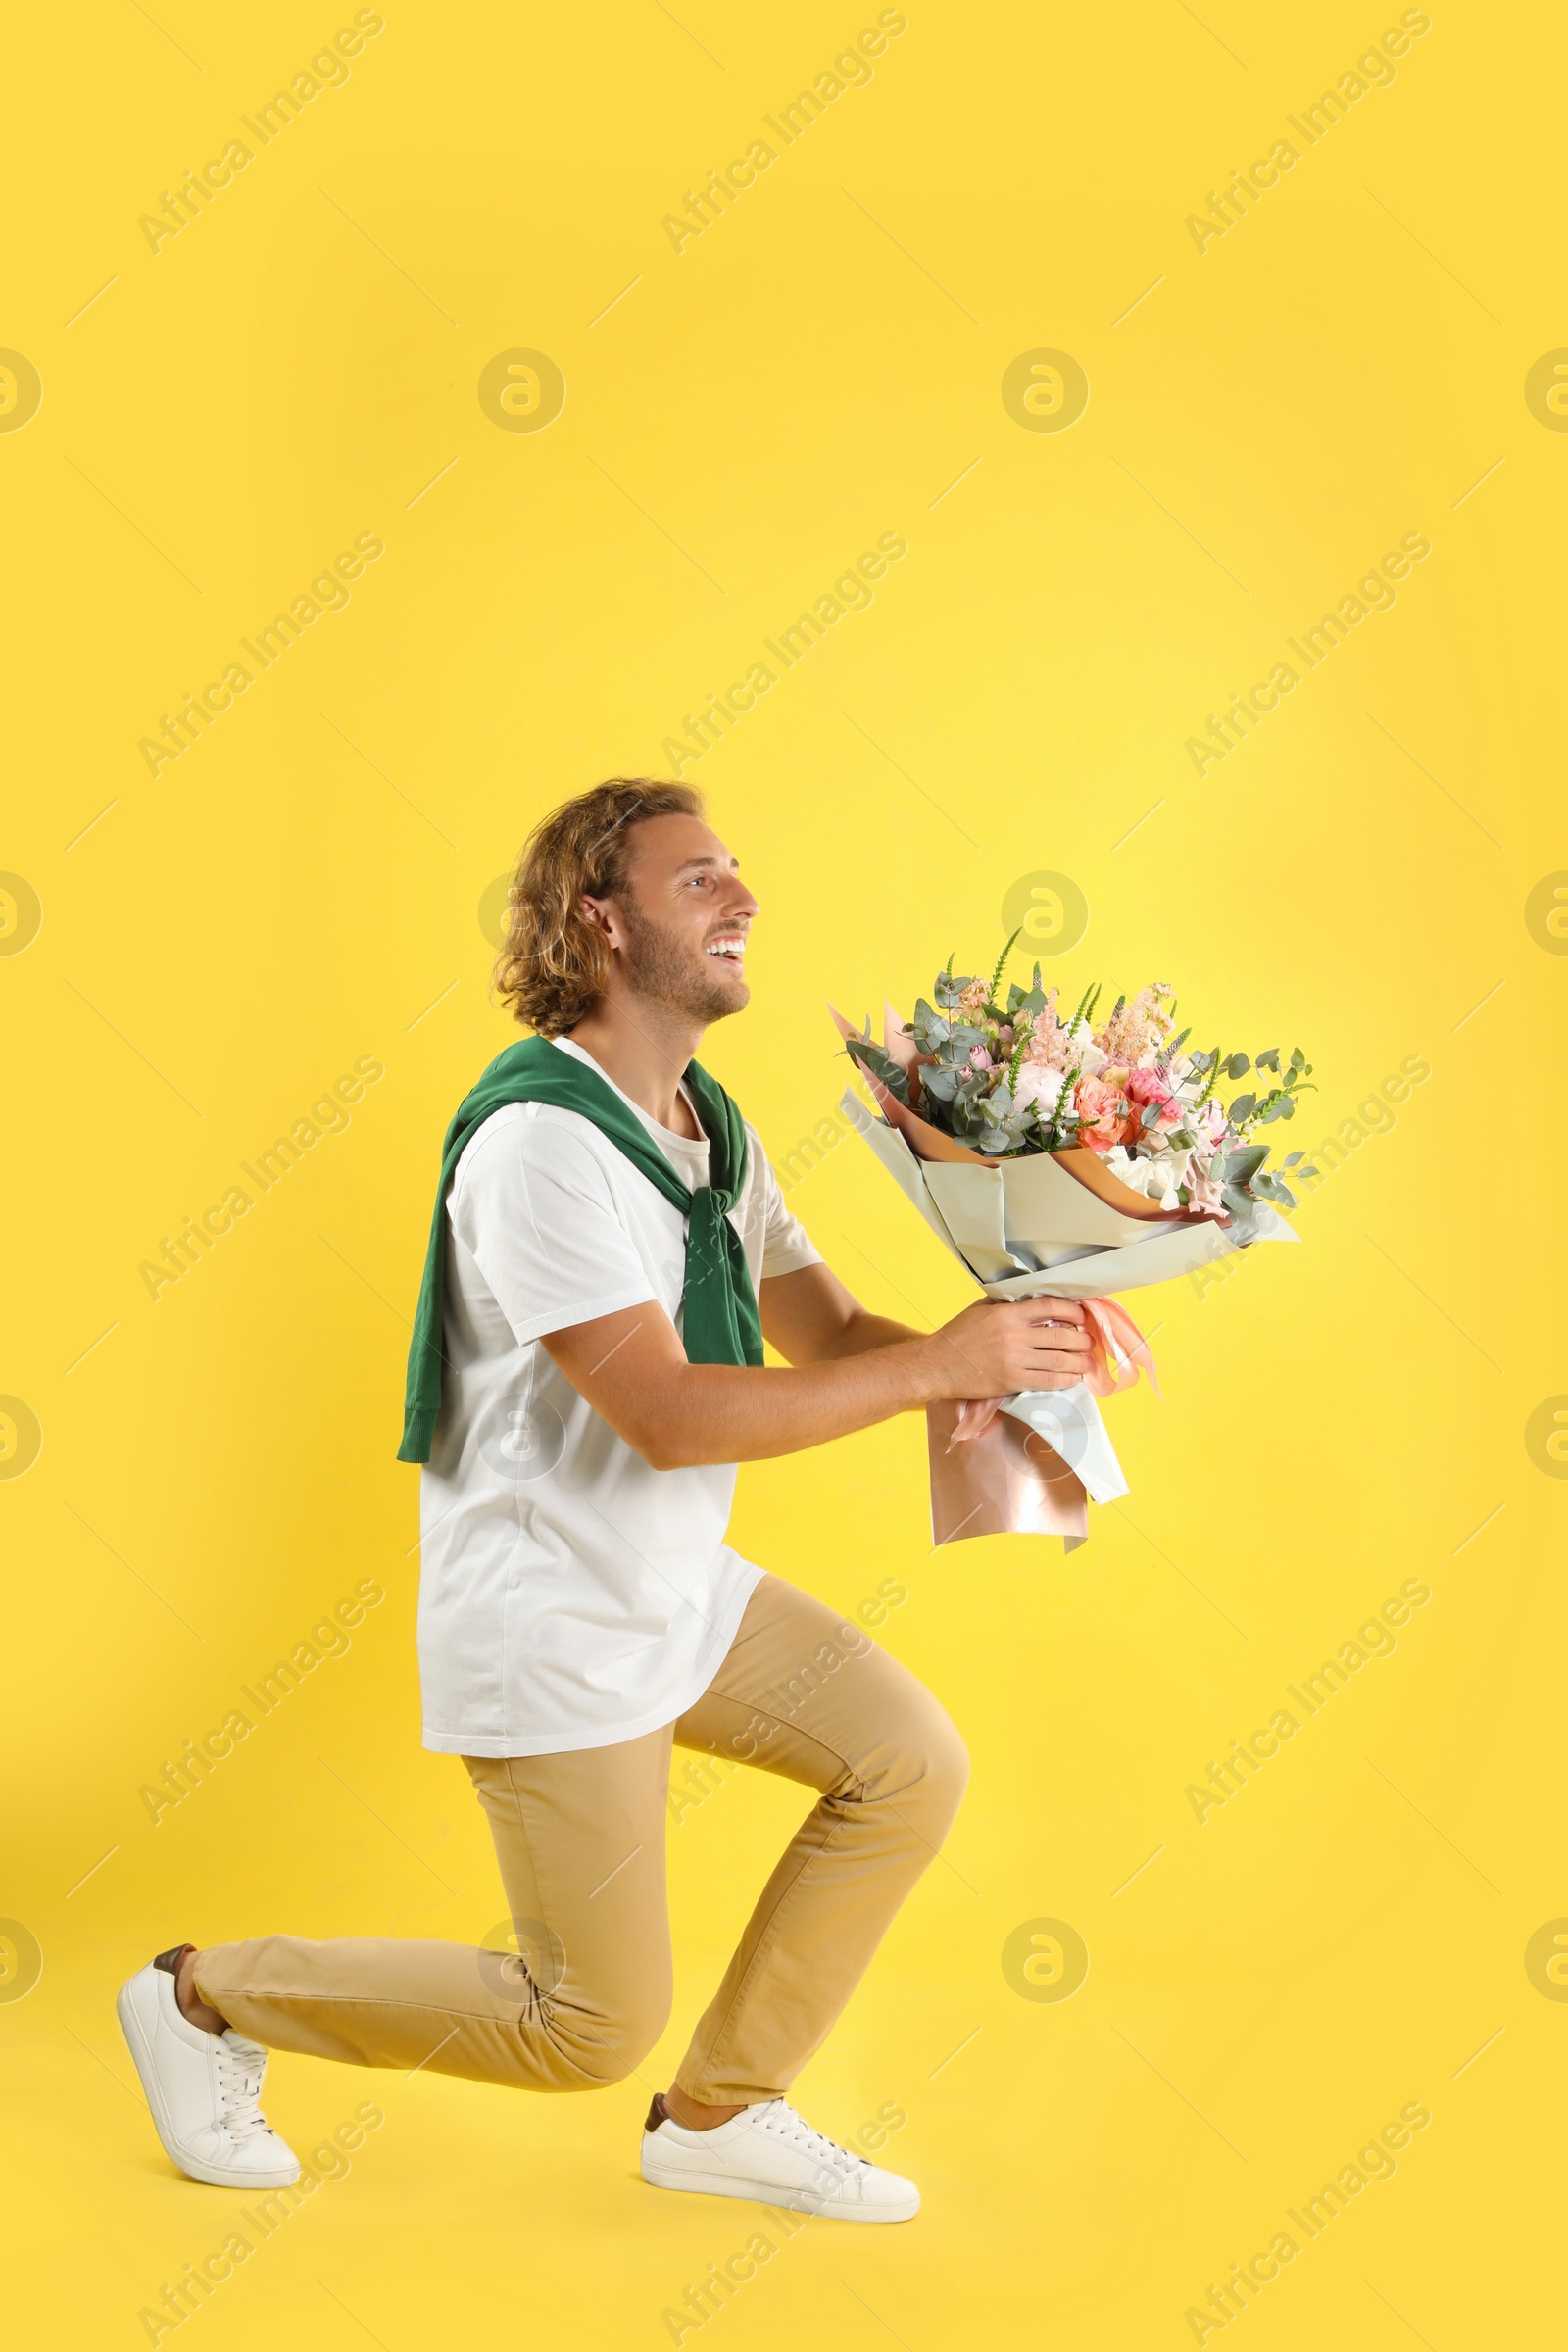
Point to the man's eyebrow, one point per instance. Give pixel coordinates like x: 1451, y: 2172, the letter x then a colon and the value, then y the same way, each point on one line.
x: 689, y: 864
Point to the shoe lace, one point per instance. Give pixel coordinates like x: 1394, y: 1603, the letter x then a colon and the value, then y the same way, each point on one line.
x: 240, y: 2067
x: 781, y: 2119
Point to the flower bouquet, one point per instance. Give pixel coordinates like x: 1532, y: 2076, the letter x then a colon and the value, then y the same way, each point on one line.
x: 1061, y: 1156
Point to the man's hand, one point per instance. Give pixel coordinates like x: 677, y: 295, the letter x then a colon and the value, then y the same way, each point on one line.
x: 1001, y: 1346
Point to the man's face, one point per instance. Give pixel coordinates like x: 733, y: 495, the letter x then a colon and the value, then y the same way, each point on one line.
x: 680, y: 926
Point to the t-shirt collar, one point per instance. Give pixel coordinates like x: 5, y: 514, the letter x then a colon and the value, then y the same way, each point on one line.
x: 669, y: 1142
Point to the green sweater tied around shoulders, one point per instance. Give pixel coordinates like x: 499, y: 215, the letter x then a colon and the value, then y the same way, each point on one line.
x: 718, y: 1318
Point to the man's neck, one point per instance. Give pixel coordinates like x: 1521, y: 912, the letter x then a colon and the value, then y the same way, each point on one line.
x: 645, y: 1049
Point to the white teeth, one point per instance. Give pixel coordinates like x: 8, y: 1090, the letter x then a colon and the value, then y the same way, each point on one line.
x: 733, y: 950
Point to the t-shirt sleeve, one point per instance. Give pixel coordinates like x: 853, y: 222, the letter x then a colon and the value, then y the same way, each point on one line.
x: 786, y: 1246
x: 533, y: 1206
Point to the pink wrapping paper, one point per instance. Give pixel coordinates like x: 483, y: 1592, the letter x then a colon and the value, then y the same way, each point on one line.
x: 1002, y: 1480
x: 992, y: 1475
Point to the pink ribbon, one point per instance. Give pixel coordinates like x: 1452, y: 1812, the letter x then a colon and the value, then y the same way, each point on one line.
x: 1117, y: 1352
x: 1117, y: 1346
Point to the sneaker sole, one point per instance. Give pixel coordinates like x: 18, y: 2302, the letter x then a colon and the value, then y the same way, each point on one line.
x: 212, y: 2176
x: 799, y: 2200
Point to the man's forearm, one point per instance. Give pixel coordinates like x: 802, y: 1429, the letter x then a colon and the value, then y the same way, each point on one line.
x: 720, y: 1413
x: 864, y: 1332
x: 847, y: 1370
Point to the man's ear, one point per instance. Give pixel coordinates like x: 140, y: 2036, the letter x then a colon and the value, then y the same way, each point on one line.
x: 604, y: 916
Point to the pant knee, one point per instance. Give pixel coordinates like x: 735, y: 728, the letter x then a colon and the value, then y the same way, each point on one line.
x: 927, y: 1767
x: 600, y: 2050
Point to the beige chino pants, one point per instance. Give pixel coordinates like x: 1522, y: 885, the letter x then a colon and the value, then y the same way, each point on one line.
x: 580, y: 1842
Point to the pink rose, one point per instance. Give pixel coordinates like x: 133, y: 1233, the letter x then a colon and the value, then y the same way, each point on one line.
x: 980, y: 1059
x: 1145, y: 1087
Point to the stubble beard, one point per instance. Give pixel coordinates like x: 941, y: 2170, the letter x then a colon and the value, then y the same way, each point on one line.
x: 666, y: 971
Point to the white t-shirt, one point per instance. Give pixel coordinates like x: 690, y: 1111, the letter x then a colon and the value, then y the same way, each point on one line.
x: 570, y: 1597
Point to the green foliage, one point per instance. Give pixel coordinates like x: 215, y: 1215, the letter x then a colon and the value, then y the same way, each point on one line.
x: 880, y: 1064
x: 1001, y: 962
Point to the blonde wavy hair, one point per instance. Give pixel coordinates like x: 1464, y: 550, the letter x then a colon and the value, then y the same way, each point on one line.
x: 552, y: 963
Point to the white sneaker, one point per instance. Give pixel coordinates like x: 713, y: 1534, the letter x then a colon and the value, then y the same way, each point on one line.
x: 773, y: 2154
x: 202, y: 2088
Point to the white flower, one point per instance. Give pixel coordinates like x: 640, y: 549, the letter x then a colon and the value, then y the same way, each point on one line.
x: 1083, y: 1054
x: 1038, y: 1083
x: 1157, y: 1179
x: 1163, y: 1171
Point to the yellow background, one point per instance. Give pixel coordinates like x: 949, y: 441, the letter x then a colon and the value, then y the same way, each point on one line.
x: 301, y: 889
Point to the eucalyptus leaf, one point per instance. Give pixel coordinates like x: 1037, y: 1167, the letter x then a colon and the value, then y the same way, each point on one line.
x: 882, y: 1067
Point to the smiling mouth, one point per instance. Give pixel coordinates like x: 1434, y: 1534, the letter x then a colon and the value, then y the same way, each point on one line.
x: 731, y: 950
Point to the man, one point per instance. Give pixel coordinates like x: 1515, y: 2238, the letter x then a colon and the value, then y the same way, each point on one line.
x: 609, y: 1248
